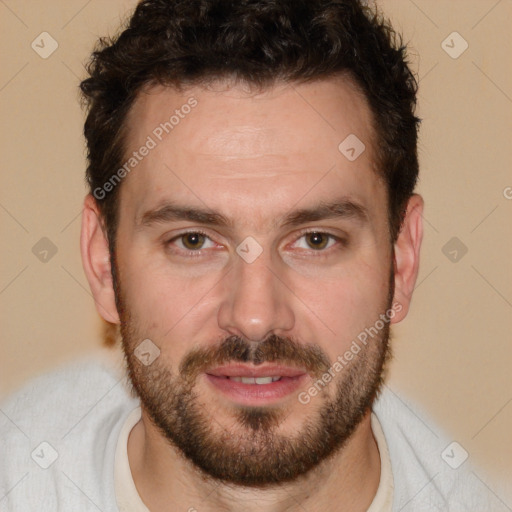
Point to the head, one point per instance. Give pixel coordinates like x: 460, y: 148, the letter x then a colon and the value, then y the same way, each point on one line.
x: 251, y: 168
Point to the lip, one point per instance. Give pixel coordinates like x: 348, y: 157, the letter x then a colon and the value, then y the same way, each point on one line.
x: 269, y: 370
x: 256, y: 394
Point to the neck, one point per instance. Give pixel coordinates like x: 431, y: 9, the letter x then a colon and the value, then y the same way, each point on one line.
x: 166, y: 481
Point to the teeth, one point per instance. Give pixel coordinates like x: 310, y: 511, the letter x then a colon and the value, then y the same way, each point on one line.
x: 255, y: 380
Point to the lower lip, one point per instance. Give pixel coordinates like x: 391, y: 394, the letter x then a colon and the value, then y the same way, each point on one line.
x: 256, y: 394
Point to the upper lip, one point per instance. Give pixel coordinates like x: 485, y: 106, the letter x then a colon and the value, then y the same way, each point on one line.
x: 239, y: 370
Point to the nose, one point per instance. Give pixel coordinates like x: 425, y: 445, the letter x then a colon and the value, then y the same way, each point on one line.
x: 255, y: 301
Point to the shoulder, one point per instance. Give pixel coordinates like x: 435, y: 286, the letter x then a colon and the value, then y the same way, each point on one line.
x: 58, y: 437
x: 431, y: 471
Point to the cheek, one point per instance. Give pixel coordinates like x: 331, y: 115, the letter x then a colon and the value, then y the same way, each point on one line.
x: 345, y: 302
x: 164, y: 302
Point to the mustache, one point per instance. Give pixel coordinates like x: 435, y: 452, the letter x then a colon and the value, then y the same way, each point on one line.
x: 275, y: 349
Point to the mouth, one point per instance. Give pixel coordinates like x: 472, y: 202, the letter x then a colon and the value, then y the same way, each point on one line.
x: 252, y: 385
x: 255, y: 380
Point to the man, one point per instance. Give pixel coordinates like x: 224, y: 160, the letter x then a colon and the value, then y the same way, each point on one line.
x: 252, y: 227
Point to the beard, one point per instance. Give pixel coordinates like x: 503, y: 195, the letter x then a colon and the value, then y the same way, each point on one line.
x: 251, y: 451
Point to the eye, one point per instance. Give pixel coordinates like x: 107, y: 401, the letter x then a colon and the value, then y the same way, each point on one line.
x: 317, y: 240
x: 191, y: 241
x: 194, y: 241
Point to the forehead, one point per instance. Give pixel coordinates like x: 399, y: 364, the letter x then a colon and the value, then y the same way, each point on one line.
x: 224, y: 144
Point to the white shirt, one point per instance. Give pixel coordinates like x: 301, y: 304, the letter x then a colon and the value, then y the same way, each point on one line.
x: 60, y: 435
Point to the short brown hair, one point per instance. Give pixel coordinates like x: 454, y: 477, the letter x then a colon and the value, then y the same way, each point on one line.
x: 260, y: 42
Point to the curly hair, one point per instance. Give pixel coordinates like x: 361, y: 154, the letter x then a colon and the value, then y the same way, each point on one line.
x: 181, y: 43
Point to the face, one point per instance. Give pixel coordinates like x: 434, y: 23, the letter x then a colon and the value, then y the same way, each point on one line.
x: 248, y: 242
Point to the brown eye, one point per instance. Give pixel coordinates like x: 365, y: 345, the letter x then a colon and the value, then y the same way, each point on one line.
x: 192, y: 241
x: 317, y: 240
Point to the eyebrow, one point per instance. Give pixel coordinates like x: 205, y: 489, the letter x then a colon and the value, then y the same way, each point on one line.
x: 343, y: 208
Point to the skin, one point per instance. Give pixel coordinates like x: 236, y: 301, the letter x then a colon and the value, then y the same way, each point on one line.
x: 253, y: 157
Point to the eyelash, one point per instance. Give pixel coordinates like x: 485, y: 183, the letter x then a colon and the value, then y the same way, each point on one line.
x: 320, y: 253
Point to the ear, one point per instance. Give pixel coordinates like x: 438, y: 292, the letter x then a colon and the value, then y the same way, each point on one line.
x: 407, y: 256
x: 96, y: 261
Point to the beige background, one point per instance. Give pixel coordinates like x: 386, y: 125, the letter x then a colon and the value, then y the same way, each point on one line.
x: 452, y: 354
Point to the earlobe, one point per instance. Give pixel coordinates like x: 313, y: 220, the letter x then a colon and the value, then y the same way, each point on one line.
x: 407, y: 255
x: 96, y: 261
